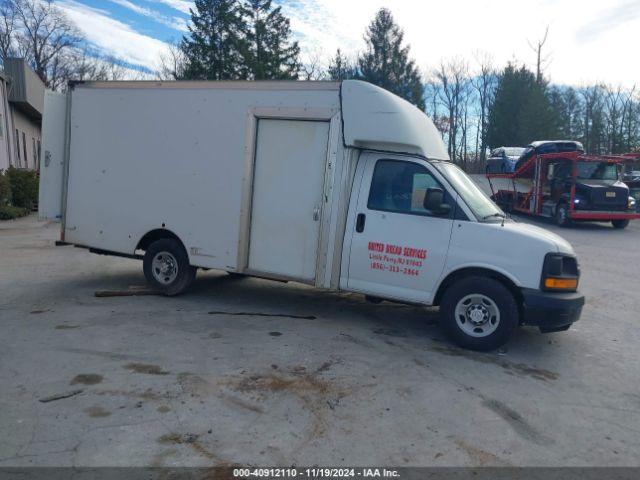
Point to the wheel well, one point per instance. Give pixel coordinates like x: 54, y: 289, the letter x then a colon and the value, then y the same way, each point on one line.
x: 477, y: 272
x: 155, y: 235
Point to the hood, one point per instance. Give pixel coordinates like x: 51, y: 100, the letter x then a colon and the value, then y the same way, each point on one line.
x: 533, y: 232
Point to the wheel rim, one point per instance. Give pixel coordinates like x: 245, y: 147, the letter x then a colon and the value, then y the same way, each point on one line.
x: 164, y: 268
x: 477, y: 315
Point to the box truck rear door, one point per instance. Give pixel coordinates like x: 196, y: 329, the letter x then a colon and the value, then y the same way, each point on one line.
x: 286, y: 203
x: 52, y: 164
x: 398, y: 248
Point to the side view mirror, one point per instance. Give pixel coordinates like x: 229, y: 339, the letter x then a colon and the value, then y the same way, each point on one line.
x: 434, y: 202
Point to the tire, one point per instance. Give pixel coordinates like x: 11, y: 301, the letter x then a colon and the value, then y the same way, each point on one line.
x: 620, y: 224
x: 562, y: 216
x: 166, y: 267
x: 479, y: 313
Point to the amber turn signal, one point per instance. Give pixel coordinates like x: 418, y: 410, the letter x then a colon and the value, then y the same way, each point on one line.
x: 561, y: 283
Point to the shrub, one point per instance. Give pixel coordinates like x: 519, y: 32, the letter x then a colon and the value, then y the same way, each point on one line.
x: 8, y: 212
x: 24, y: 187
x: 5, y: 190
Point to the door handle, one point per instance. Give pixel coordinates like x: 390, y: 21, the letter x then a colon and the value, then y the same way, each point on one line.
x: 316, y: 213
x: 360, y: 221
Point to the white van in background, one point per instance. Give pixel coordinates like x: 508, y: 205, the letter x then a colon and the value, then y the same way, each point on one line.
x: 343, y: 186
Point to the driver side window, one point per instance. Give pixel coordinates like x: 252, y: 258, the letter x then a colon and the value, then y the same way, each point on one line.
x: 401, y: 187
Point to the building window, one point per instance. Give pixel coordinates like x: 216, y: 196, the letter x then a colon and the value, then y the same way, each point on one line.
x: 18, y: 148
x: 24, y: 149
x: 35, y: 154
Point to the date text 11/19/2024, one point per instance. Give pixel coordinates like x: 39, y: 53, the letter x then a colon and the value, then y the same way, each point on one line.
x: 315, y: 473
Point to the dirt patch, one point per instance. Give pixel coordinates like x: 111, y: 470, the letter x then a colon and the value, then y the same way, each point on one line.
x: 191, y: 440
x: 87, y: 379
x: 37, y: 312
x: 215, y: 335
x: 66, y: 327
x: 311, y: 391
x: 511, y: 368
x: 163, y: 409
x: 97, y: 412
x: 145, y: 368
x: 275, y: 334
x: 480, y: 457
x: 516, y: 421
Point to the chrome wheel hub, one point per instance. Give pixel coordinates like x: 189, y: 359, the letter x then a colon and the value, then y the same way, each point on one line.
x: 164, y: 268
x: 477, y: 315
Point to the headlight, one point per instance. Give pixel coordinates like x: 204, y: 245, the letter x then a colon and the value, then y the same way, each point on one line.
x: 631, y: 203
x: 560, y: 273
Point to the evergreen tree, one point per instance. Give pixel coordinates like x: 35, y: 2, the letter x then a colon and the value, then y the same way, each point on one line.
x: 214, y: 48
x: 340, y: 68
x: 271, y: 53
x: 386, y: 62
x: 521, y: 112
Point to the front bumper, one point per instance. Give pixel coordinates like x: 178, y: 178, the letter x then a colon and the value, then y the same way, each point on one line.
x: 603, y: 216
x: 550, y: 311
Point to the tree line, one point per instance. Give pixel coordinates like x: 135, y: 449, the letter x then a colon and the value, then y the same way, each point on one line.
x: 475, y: 104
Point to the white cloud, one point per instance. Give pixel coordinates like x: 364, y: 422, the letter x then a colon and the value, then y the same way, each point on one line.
x: 113, y: 37
x: 180, y: 5
x: 177, y: 23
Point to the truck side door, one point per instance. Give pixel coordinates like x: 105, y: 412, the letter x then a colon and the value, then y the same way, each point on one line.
x: 398, y: 249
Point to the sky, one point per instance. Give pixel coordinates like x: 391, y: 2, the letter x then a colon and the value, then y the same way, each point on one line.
x: 589, y: 40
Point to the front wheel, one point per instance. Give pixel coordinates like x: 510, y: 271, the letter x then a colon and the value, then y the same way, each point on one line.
x: 620, y: 224
x: 166, y: 267
x: 479, y: 313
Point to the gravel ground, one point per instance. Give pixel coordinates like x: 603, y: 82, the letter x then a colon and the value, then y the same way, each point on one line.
x: 249, y: 371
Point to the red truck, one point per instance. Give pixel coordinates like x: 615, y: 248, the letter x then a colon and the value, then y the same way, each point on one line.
x: 569, y: 186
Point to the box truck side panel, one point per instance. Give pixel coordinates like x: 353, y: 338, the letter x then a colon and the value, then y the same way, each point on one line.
x: 52, y: 164
x: 174, y: 158
x: 287, y: 197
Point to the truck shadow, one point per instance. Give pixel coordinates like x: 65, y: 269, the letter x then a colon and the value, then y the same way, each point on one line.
x: 395, y: 324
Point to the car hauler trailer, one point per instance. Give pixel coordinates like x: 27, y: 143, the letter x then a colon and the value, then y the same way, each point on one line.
x: 343, y: 186
x: 568, y: 186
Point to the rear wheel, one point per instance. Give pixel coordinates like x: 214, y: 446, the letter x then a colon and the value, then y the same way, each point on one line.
x: 562, y: 216
x: 620, y: 224
x: 166, y: 267
x: 479, y: 313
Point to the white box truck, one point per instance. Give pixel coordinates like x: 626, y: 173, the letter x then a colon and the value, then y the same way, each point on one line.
x: 343, y: 186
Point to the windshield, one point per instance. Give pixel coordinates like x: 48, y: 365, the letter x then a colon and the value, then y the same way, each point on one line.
x: 597, y: 171
x: 478, y: 201
x: 513, y: 152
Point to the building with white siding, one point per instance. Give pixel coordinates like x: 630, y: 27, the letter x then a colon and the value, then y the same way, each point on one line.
x: 21, y: 109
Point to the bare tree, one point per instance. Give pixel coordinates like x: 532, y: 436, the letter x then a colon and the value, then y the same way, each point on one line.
x: 542, y: 61
x: 312, y: 67
x: 172, y: 63
x: 7, y: 29
x: 454, y: 95
x: 484, y: 82
x: 40, y: 32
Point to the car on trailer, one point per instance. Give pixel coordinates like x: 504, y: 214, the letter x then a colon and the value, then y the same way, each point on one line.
x: 504, y: 159
x: 568, y: 186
